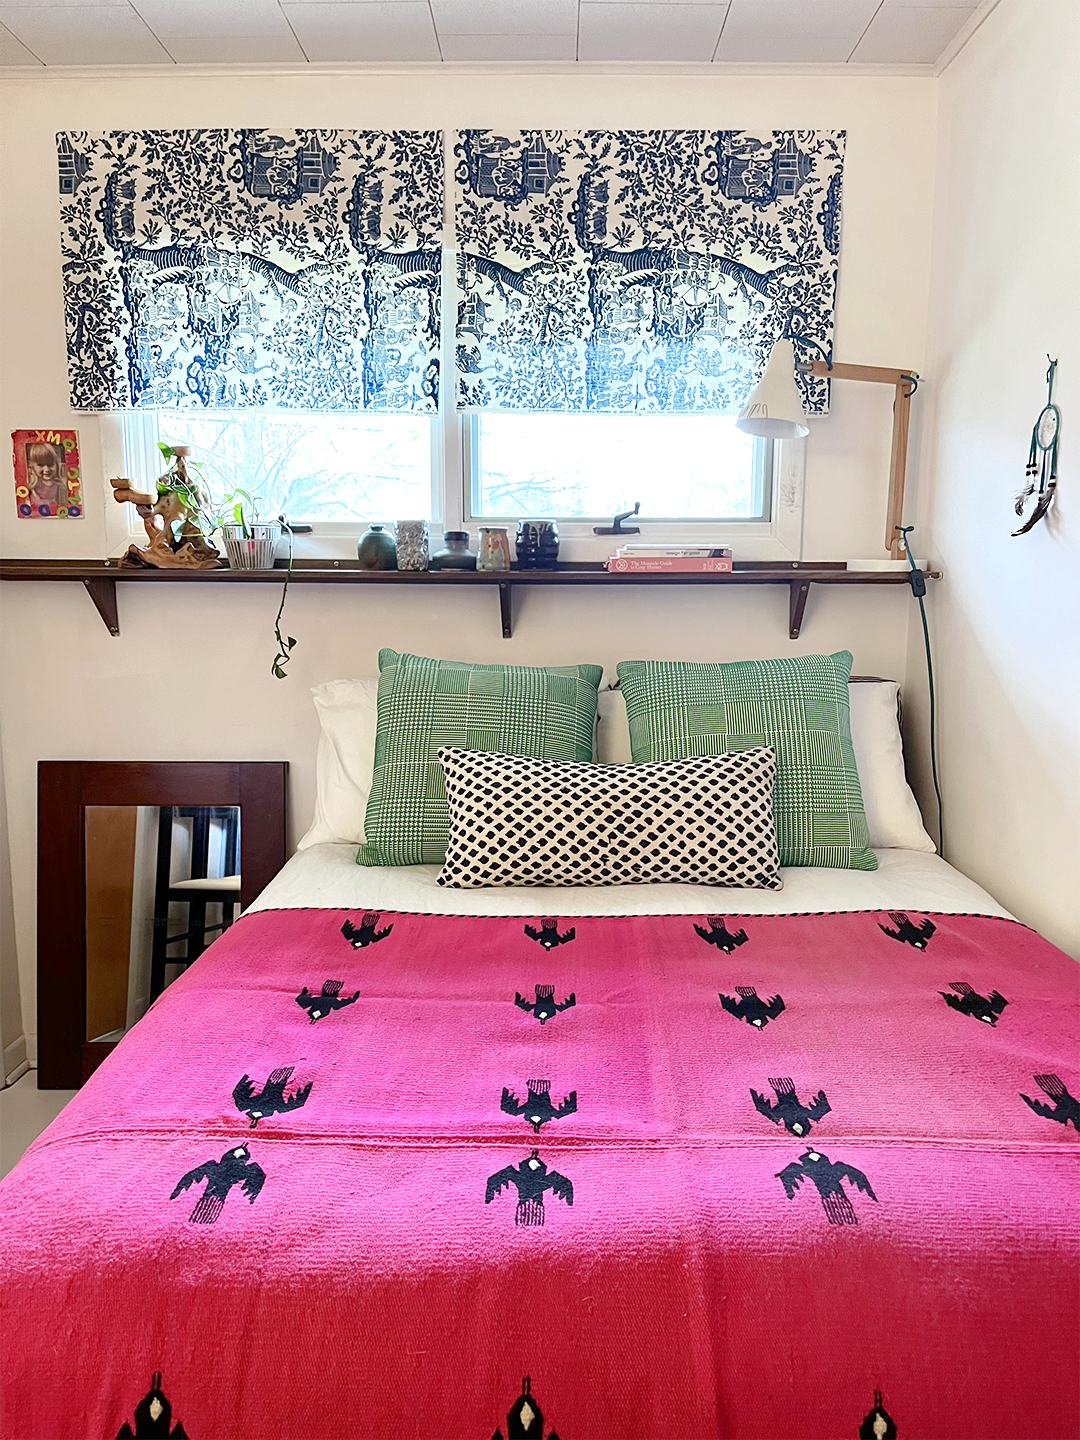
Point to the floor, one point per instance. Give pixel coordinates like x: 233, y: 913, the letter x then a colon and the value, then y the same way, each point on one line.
x: 24, y: 1112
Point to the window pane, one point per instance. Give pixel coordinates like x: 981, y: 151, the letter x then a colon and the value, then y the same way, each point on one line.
x: 312, y: 467
x: 570, y: 466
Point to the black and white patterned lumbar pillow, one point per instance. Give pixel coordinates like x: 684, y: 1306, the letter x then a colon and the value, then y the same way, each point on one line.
x: 702, y: 821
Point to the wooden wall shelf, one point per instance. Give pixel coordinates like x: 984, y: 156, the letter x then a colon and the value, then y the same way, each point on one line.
x: 100, y: 577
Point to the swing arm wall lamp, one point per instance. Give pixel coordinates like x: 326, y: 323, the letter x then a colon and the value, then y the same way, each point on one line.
x: 905, y: 383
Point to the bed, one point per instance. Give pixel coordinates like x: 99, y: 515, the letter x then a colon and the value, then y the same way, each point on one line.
x: 653, y: 1161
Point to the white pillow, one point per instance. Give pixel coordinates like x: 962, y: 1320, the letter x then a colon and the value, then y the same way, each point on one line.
x: 892, y: 812
x: 347, y: 713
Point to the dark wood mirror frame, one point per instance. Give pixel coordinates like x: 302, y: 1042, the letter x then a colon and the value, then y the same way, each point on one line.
x: 65, y: 789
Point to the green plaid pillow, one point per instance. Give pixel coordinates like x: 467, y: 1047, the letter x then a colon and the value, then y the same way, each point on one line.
x: 798, y: 706
x: 500, y: 709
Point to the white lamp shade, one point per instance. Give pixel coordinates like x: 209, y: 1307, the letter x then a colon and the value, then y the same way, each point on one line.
x: 774, y: 408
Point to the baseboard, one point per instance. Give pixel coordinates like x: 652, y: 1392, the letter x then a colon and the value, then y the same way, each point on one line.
x: 31, y: 1047
x: 16, y: 1059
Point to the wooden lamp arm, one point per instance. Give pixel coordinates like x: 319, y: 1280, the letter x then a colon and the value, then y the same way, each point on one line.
x: 904, y: 382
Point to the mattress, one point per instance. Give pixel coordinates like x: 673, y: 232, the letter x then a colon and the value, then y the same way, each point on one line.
x: 327, y: 875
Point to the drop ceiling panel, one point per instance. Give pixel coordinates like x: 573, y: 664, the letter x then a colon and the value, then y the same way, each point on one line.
x: 371, y: 30
x: 526, y: 49
x: 84, y: 34
x: 191, y: 19
x: 65, y: 5
x: 236, y: 50
x: 642, y: 31
x: 822, y: 31
x: 505, y: 17
x: 760, y: 32
x: 910, y: 34
x: 14, y: 52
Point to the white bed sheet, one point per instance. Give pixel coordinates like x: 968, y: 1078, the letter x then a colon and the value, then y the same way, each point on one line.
x: 327, y: 876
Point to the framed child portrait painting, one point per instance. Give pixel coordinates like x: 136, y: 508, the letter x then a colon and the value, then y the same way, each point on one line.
x: 47, y: 474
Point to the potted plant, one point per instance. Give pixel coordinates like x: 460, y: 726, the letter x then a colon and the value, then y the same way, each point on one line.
x: 249, y: 541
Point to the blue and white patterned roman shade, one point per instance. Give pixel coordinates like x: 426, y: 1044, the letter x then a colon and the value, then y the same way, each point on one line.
x: 641, y: 270
x: 222, y: 269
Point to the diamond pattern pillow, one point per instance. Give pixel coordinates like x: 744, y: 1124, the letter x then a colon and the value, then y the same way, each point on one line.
x: 512, y: 709
x: 517, y: 821
x: 798, y: 706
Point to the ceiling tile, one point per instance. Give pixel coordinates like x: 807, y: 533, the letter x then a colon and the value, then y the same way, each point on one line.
x: 190, y: 19
x: 14, y: 52
x: 63, y: 4
x: 235, y: 50
x: 84, y: 35
x: 810, y: 31
x: 911, y: 34
x: 617, y: 31
x: 371, y: 30
x: 505, y: 17
x: 529, y: 49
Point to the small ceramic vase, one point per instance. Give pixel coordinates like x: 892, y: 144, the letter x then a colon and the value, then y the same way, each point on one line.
x: 537, y: 544
x: 456, y: 555
x: 376, y: 549
x: 412, y: 544
x: 493, y: 552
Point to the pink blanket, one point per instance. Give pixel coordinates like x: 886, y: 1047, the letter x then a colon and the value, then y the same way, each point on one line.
x: 358, y: 1175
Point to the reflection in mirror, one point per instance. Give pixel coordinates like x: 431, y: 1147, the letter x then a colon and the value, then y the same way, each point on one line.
x: 162, y: 882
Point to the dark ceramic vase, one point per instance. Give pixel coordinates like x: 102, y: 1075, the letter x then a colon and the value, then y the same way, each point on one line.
x: 537, y: 545
x: 456, y: 554
x: 376, y: 549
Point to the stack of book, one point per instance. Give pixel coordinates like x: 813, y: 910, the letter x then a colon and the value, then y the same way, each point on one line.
x: 670, y: 560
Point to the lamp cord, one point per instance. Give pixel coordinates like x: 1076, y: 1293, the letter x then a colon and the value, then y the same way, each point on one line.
x: 918, y: 589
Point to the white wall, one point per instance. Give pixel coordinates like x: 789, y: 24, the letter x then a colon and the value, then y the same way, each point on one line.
x: 189, y: 678
x: 1006, y: 290
x: 12, y: 1041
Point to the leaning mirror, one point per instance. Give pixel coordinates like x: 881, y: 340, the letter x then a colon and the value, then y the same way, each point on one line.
x: 162, y: 882
x: 141, y: 866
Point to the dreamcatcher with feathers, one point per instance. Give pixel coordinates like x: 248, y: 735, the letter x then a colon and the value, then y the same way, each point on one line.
x: 1042, y: 459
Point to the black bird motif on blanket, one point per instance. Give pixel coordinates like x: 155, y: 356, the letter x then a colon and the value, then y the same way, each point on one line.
x: 719, y: 935
x: 234, y: 1168
x: 1065, y: 1109
x: 908, y: 933
x: 544, y: 1006
x: 750, y: 1006
x: 878, y: 1424
x: 524, y: 1419
x: 537, y: 1107
x: 970, y: 1002
x: 548, y: 935
x: 271, y: 1099
x: 331, y: 999
x: 788, y: 1109
x: 827, y: 1175
x: 531, y: 1179
x: 368, y: 933
x: 153, y: 1416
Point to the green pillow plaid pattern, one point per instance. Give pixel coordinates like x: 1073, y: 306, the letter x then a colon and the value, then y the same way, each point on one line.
x: 547, y: 714
x: 798, y: 706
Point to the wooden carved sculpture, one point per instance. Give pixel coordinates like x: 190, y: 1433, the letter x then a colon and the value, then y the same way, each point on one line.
x: 175, y: 540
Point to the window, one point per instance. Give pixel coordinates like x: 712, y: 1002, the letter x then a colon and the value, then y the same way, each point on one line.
x: 697, y: 477
x: 680, y: 467
x: 312, y: 468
